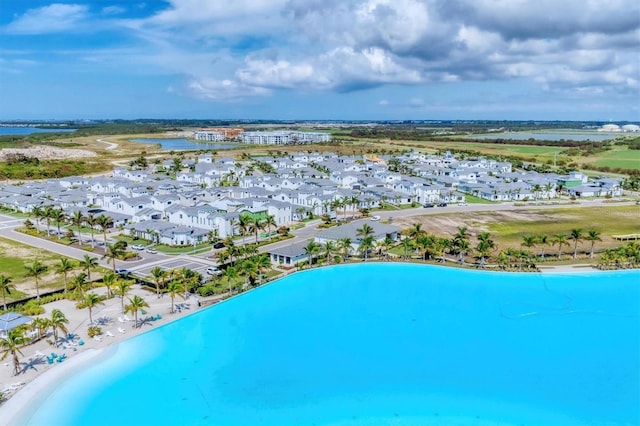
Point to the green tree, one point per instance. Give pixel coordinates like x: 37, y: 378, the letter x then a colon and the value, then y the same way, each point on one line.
x: 576, y: 236
x: 90, y: 301
x: 37, y: 213
x: 230, y: 273
x: 79, y: 282
x: 63, y: 267
x: 365, y: 246
x: 104, y: 222
x: 592, y: 236
x: 122, y: 288
x: 88, y: 263
x: 109, y: 280
x: 158, y: 275
x: 77, y: 219
x: 91, y: 222
x: 11, y: 346
x: 137, y: 304
x: 544, y: 241
x: 311, y: 250
x: 58, y: 217
x: 560, y: 240
x: 174, y: 289
x: 58, y: 321
x: 344, y: 245
x: 113, y: 252
x: 5, y: 287
x: 36, y: 270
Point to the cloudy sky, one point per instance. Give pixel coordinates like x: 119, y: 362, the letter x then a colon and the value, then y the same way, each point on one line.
x: 321, y: 59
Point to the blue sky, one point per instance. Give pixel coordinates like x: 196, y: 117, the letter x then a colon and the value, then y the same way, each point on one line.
x: 321, y: 59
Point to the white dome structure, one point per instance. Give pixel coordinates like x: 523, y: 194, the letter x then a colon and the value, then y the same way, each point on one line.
x: 610, y: 128
x: 631, y: 128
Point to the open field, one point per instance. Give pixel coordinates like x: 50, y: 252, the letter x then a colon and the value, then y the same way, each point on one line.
x: 13, y: 258
x: 508, y: 227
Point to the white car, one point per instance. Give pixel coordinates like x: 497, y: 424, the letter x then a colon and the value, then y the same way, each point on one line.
x: 152, y: 250
x: 137, y: 247
x: 376, y: 217
x: 214, y: 270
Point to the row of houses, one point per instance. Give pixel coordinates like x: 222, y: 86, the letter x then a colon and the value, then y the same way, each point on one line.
x: 208, y: 196
x: 261, y: 137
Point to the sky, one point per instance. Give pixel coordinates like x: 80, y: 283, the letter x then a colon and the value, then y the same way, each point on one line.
x: 321, y: 59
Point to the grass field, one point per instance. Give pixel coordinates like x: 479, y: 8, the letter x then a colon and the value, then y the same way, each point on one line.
x: 13, y: 258
x: 508, y: 227
x: 620, y: 156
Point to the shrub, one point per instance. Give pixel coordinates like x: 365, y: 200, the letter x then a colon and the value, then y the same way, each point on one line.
x: 93, y: 331
x: 32, y: 307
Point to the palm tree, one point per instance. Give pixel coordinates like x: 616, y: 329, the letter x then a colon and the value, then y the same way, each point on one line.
x: 37, y: 213
x: 364, y: 231
x: 35, y: 270
x: 79, y: 282
x: 485, y: 245
x: 63, y: 268
x: 529, y: 241
x: 230, y: 273
x: 41, y: 325
x: 344, y: 245
x: 58, y: 216
x: 76, y: 220
x: 88, y: 263
x: 113, y: 252
x: 329, y: 249
x: 311, y: 249
x: 104, y: 222
x: 416, y: 230
x: 256, y: 225
x: 47, y: 214
x: 250, y: 271
x: 136, y: 304
x: 11, y: 346
x: 593, y: 236
x: 543, y: 240
x: 243, y: 224
x: 122, y: 288
x: 174, y: 289
x: 90, y: 301
x: 407, y: 245
x: 5, y: 287
x: 560, y: 240
x: 57, y: 322
x: 576, y: 236
x: 90, y: 220
x: 263, y: 263
x: 109, y: 280
x: 366, y: 245
x: 270, y: 221
x: 158, y: 275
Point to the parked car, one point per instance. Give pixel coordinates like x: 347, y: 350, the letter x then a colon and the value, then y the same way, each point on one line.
x: 462, y: 204
x: 428, y: 205
x: 376, y: 217
x: 137, y: 247
x: 214, y: 270
x: 123, y: 272
x: 442, y: 204
x: 218, y: 245
x: 152, y: 250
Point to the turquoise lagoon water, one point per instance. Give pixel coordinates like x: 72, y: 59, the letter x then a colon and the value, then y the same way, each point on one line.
x: 379, y: 344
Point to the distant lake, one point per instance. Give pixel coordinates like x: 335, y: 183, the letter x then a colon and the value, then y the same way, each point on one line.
x: 186, y: 144
x: 552, y: 136
x: 25, y: 130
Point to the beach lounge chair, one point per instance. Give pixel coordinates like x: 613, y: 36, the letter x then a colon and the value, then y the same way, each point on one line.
x: 108, y: 333
x: 121, y: 330
x: 97, y: 338
x: 38, y: 353
x: 120, y: 319
x: 126, y: 318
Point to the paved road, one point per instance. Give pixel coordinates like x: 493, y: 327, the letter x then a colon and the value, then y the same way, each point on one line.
x: 201, y: 261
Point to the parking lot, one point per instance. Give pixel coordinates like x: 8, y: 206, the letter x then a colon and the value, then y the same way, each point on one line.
x: 197, y: 265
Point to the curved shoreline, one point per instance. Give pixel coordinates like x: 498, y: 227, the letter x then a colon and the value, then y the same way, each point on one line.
x: 15, y: 410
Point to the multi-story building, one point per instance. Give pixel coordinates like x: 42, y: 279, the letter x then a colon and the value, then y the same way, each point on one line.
x: 284, y: 137
x: 218, y: 134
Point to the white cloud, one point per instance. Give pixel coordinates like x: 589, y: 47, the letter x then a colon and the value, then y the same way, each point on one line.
x: 212, y: 89
x: 113, y: 10
x: 48, y: 19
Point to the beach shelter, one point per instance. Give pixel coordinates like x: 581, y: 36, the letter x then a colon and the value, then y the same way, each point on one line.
x: 11, y: 320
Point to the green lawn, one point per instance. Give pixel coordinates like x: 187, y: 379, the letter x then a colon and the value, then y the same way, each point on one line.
x: 471, y: 199
x: 619, y: 157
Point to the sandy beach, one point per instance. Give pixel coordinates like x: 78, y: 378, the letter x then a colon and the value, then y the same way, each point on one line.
x: 37, y: 374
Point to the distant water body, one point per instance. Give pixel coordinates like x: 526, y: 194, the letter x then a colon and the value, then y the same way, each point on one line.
x: 568, y: 136
x: 186, y: 144
x: 31, y: 130
x: 377, y: 343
